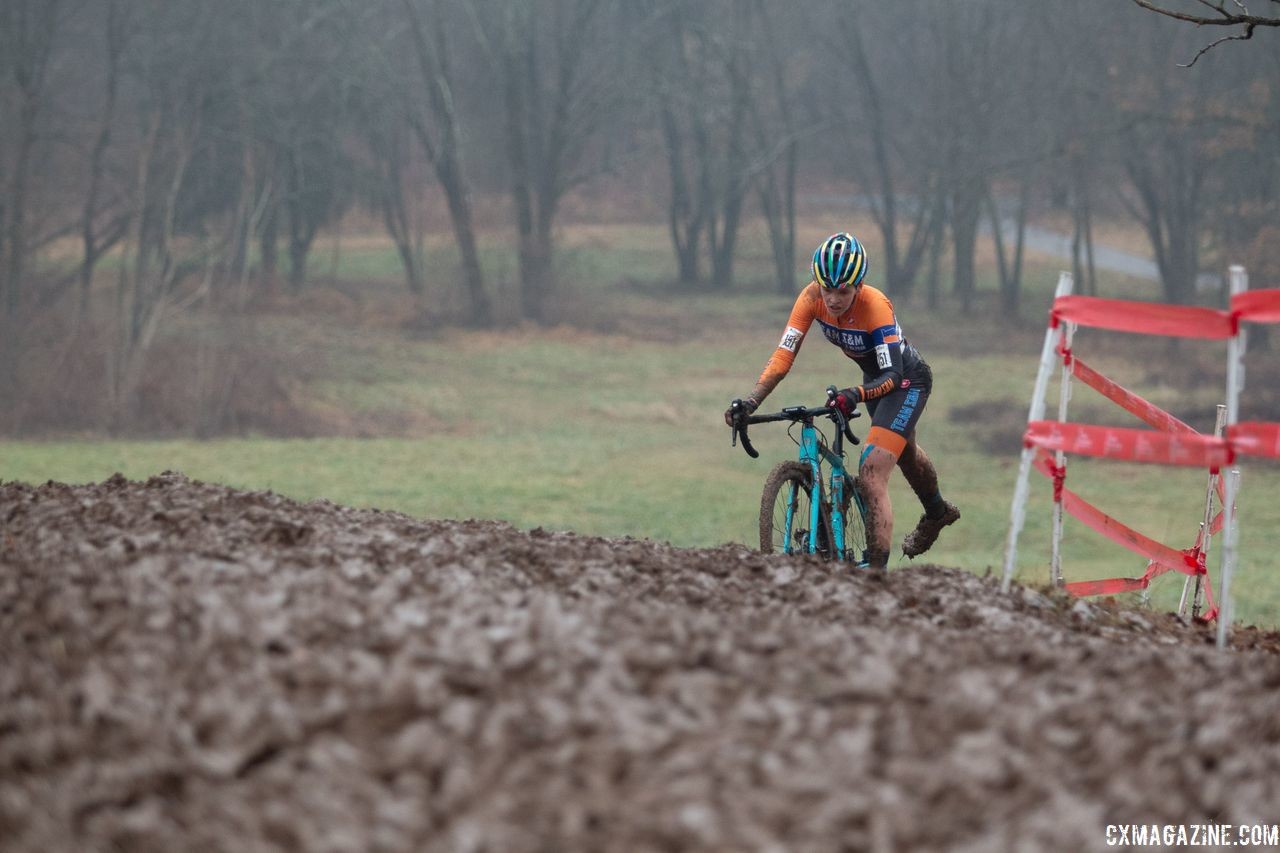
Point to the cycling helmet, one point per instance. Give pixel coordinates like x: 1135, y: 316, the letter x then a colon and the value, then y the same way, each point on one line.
x: 840, y: 262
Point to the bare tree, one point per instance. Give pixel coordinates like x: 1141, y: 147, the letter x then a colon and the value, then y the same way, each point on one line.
x: 1009, y: 266
x: 439, y: 133
x: 99, y: 241
x: 1224, y: 13
x: 678, y: 67
x: 550, y: 69
x: 967, y: 101
x: 882, y: 128
x: 730, y: 183
x: 390, y: 141
x: 777, y: 132
x: 1172, y: 143
x: 28, y: 32
x: 172, y: 105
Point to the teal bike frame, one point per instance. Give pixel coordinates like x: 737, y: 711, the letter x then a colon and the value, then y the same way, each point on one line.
x: 814, y: 453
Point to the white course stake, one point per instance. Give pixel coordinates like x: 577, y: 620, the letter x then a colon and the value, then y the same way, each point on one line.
x: 1068, y: 331
x: 1018, y: 512
x: 1230, y: 532
x: 1235, y: 385
x: 1206, y: 536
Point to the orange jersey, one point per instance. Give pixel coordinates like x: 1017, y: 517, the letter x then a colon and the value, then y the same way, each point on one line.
x: 868, y: 333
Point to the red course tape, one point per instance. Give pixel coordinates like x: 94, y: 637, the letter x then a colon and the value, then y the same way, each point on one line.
x: 1257, y: 306
x: 1133, y: 445
x: 1256, y: 439
x: 1094, y: 518
x: 1127, y: 400
x: 1148, y: 318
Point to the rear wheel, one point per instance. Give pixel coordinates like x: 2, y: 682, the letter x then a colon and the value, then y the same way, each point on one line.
x: 786, y: 512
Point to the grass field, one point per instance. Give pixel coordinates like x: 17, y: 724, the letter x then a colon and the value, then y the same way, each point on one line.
x: 610, y: 423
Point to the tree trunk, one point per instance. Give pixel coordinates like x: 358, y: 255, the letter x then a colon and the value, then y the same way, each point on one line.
x: 938, y: 225
x: 16, y: 238
x: 445, y: 155
x: 966, y: 210
x: 685, y: 218
x: 269, y: 246
x: 1009, y: 269
x: 732, y: 186
x: 30, y: 32
x: 535, y: 274
x: 480, y: 309
x: 1170, y: 214
x: 92, y: 248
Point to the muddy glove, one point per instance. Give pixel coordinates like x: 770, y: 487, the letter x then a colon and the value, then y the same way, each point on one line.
x: 846, y: 401
x: 746, y: 406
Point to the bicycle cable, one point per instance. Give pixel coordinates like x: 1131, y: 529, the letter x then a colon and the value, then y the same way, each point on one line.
x: 822, y: 436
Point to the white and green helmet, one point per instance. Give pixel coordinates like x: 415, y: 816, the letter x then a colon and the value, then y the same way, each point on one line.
x: 840, y: 262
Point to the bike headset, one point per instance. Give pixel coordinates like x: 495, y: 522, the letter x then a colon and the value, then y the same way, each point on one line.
x: 840, y: 262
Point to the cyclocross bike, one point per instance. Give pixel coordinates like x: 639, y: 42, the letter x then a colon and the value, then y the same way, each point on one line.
x: 799, y: 512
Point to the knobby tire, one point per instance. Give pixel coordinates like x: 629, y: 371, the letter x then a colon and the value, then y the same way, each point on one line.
x: 773, y: 501
x: 777, y: 489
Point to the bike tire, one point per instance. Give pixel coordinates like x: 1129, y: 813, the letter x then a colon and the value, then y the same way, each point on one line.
x: 788, y: 482
x: 855, y: 524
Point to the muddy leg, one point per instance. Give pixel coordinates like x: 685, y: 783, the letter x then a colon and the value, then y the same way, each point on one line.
x: 921, y: 475
x: 873, y: 477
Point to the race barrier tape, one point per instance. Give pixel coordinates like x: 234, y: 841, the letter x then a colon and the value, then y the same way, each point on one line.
x: 1139, y: 408
x: 1256, y: 439
x: 1147, y: 318
x: 1094, y: 518
x: 1257, y: 306
x: 1170, y: 441
x: 1189, y: 449
x: 1131, y: 445
x: 1114, y: 586
x: 1177, y: 321
x: 1127, y: 400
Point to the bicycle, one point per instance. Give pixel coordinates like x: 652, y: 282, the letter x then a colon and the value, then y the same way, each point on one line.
x: 791, y: 520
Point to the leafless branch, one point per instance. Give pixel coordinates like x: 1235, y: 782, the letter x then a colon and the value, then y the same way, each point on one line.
x: 1224, y: 18
x: 1245, y: 36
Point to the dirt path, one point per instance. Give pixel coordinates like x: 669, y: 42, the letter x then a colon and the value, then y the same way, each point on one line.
x: 185, y: 666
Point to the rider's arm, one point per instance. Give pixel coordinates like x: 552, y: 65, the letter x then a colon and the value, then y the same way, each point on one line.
x: 802, y: 314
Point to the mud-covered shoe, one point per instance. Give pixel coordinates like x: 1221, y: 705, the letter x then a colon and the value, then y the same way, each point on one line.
x: 926, y: 533
x: 874, y: 566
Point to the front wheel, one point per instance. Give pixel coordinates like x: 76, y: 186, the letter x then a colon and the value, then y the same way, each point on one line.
x: 786, y: 512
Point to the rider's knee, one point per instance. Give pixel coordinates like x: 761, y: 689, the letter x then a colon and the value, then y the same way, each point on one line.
x: 875, y: 465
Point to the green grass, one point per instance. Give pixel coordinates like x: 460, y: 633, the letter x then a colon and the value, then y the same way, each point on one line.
x: 620, y: 433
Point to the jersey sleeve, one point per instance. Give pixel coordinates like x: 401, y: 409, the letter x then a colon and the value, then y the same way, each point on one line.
x: 779, y: 364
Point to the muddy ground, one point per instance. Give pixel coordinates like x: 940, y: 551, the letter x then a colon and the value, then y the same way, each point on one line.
x: 186, y: 666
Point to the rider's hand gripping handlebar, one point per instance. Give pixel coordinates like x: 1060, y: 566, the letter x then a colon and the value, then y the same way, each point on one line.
x: 840, y: 419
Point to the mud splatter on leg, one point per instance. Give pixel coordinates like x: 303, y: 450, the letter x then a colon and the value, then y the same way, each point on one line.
x: 920, y: 474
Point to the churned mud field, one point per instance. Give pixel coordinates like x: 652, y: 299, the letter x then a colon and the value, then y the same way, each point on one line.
x: 186, y: 666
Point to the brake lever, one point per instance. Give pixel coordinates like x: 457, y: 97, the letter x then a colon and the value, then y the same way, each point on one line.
x: 740, y: 427
x: 841, y: 420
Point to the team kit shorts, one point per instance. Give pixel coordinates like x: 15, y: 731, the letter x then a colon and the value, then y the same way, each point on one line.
x: 895, y: 415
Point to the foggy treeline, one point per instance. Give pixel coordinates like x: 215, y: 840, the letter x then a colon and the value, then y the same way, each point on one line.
x: 207, y: 144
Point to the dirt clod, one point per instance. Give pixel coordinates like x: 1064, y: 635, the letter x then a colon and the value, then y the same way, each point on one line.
x: 186, y: 666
